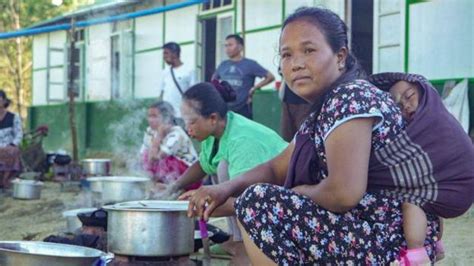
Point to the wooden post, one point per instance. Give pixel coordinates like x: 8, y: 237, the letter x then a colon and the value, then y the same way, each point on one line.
x: 71, y: 94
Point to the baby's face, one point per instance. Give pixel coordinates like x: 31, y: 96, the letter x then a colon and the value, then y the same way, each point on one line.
x: 407, y: 96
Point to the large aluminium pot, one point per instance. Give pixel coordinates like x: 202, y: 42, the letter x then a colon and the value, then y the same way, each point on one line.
x: 150, y: 228
x: 26, y: 189
x: 114, y: 189
x: 96, y: 167
x: 31, y: 253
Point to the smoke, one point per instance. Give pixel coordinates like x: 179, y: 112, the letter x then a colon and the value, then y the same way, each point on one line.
x: 125, y: 137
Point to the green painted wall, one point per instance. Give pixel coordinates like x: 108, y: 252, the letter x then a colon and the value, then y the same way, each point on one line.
x: 57, y: 119
x: 112, y: 126
x: 102, y: 126
x: 267, y: 108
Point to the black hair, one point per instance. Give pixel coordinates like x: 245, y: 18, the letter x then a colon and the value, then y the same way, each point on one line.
x: 166, y: 111
x: 335, y: 31
x: 3, y: 95
x: 236, y: 37
x: 211, y: 97
x: 173, y: 47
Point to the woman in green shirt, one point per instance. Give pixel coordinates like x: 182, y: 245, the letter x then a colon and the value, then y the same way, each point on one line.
x: 230, y: 143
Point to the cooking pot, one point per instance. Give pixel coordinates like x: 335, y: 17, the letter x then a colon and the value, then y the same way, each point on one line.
x: 96, y: 167
x: 150, y: 228
x: 26, y: 189
x: 32, y: 253
x: 114, y: 189
x: 72, y: 220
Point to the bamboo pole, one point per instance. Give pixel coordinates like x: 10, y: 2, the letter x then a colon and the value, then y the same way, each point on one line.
x: 71, y: 92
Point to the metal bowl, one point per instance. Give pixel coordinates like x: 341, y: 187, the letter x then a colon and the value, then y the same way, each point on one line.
x: 114, y: 189
x: 96, y: 167
x: 26, y: 189
x: 32, y: 253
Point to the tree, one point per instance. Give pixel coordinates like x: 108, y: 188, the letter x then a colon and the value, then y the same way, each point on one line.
x: 15, y: 54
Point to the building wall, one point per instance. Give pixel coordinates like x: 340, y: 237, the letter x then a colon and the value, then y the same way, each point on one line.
x: 149, y: 34
x: 443, y: 59
x: 40, y: 49
x: 56, y: 90
x: 448, y: 51
x: 389, y: 36
x: 98, y: 62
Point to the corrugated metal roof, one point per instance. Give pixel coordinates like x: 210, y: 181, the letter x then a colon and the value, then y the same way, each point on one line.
x: 86, y: 10
x: 105, y: 19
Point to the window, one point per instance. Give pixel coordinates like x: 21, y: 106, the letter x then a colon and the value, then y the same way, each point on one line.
x: 121, y: 63
x: 59, y: 63
x: 215, y: 4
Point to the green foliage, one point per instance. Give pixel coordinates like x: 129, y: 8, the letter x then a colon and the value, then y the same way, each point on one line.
x: 15, y: 54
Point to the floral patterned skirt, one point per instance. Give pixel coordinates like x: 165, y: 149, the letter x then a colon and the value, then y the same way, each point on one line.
x: 291, y: 229
x: 9, y: 159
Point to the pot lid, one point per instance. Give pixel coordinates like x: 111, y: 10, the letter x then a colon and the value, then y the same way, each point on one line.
x: 75, y: 212
x: 27, y: 182
x: 150, y: 205
x: 92, y: 160
x: 118, y: 179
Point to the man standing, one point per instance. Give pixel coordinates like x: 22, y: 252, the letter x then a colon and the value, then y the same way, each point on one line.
x: 241, y: 72
x: 177, y: 77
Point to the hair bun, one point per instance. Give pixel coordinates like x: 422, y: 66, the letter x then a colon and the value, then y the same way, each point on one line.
x: 225, y: 90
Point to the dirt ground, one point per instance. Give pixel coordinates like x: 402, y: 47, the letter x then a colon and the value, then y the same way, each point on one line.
x: 37, y: 219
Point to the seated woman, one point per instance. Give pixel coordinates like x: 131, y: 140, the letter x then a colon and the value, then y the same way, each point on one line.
x: 335, y: 195
x: 167, y: 151
x: 230, y: 143
x: 11, y: 134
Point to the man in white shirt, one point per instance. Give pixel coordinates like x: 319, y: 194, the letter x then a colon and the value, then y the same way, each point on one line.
x: 184, y: 76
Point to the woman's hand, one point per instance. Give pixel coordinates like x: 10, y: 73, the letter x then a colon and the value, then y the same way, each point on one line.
x: 204, y: 200
x: 154, y: 151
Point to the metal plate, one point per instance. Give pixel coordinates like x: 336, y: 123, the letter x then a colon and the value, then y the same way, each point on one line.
x: 48, y: 249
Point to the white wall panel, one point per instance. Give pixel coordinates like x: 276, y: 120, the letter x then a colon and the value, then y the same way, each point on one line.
x: 40, y: 48
x: 259, y: 14
x: 390, y: 59
x: 148, y: 68
x: 98, y: 63
x: 441, y: 40
x: 149, y: 32
x: 389, y: 30
x: 264, y: 50
x: 181, y: 24
x: 39, y: 88
x: 389, y: 6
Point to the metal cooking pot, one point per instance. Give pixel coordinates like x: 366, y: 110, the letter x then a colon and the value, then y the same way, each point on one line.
x: 150, y: 228
x: 96, y: 167
x: 114, y: 189
x: 27, y: 189
x: 31, y: 253
x: 73, y: 222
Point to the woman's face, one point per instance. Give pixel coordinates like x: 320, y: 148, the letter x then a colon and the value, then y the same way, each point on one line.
x: 407, y: 95
x: 154, y: 118
x: 197, y: 126
x: 308, y: 64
